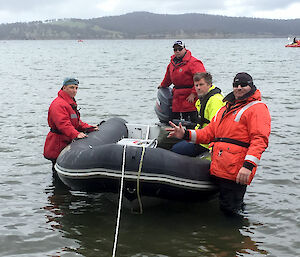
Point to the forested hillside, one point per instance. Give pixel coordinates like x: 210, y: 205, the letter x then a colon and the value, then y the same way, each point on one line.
x: 148, y: 25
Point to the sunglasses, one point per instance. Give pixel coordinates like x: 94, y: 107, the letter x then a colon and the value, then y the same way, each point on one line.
x: 178, y: 49
x: 240, y: 84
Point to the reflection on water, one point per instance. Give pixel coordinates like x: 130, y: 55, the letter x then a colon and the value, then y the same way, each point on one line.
x: 178, y: 228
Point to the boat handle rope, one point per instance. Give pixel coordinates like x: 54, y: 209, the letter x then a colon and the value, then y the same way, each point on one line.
x: 121, y: 194
x: 138, y: 181
x: 148, y: 131
x: 120, y: 203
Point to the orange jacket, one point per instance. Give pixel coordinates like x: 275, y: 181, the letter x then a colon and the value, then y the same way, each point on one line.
x: 245, y: 122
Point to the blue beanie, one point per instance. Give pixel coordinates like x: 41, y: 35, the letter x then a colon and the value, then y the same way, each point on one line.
x: 70, y: 81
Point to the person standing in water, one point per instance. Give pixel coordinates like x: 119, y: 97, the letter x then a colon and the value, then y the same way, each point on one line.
x: 64, y: 121
x: 239, y: 134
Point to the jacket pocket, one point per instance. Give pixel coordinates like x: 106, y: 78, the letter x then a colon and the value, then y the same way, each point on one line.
x: 228, y: 158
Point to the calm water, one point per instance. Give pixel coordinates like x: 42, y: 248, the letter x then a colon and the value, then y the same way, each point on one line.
x: 39, y: 217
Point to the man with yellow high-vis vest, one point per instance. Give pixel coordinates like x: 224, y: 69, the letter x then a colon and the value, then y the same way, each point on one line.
x: 239, y: 134
x: 210, y: 100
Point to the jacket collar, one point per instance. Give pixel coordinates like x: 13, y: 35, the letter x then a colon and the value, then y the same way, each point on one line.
x: 253, y: 95
x: 184, y: 59
x: 67, y: 98
x: 211, y: 88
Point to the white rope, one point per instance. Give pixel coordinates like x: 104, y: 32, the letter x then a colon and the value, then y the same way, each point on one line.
x: 138, y: 181
x: 120, y: 203
x: 147, y: 133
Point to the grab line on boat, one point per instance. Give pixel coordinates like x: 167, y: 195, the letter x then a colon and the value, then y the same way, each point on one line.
x: 120, y: 203
x: 147, y: 133
x: 138, y: 181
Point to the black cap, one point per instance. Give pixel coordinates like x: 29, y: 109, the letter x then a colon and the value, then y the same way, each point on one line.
x: 243, y: 78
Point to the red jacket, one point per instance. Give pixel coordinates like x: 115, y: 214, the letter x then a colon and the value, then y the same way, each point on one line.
x: 247, y: 121
x: 65, y: 124
x: 181, y: 75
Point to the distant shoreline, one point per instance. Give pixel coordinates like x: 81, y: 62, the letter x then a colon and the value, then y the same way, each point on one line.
x: 144, y: 25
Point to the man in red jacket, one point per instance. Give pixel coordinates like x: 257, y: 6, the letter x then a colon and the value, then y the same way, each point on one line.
x: 180, y: 72
x: 239, y: 133
x: 64, y: 121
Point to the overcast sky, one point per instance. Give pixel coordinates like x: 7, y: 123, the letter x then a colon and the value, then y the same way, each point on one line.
x: 32, y: 10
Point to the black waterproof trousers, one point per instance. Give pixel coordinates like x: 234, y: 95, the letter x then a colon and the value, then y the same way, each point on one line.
x: 231, y: 197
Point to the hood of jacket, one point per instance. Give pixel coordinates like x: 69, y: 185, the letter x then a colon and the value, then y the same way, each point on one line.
x: 184, y: 59
x: 253, y: 95
x: 67, y: 98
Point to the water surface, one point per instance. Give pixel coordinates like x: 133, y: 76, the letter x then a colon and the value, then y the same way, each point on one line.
x: 40, y: 217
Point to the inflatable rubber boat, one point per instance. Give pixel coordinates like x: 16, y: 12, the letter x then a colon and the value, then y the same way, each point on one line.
x: 138, y: 154
x: 293, y: 44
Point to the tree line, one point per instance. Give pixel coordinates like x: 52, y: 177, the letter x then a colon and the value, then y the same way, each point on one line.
x: 144, y: 25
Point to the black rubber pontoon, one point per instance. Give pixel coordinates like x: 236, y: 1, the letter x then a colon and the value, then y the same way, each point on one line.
x: 94, y: 164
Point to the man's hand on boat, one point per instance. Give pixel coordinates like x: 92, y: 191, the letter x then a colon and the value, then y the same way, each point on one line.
x: 84, y: 134
x: 81, y: 135
x: 175, y: 131
x: 95, y: 128
x: 90, y: 129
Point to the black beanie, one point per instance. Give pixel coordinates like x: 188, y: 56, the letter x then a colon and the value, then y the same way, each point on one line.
x: 243, y: 78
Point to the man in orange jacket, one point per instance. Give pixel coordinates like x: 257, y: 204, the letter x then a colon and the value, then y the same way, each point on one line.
x: 239, y: 134
x: 64, y: 121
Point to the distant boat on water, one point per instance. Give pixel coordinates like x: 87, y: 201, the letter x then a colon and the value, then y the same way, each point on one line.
x: 295, y: 43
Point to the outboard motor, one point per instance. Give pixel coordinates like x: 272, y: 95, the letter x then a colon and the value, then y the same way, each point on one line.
x: 163, y: 105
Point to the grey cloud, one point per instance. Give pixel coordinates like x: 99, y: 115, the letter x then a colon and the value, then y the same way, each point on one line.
x: 21, y: 6
x: 177, y: 6
x: 174, y: 6
x: 31, y: 10
x: 27, y: 10
x: 269, y: 5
